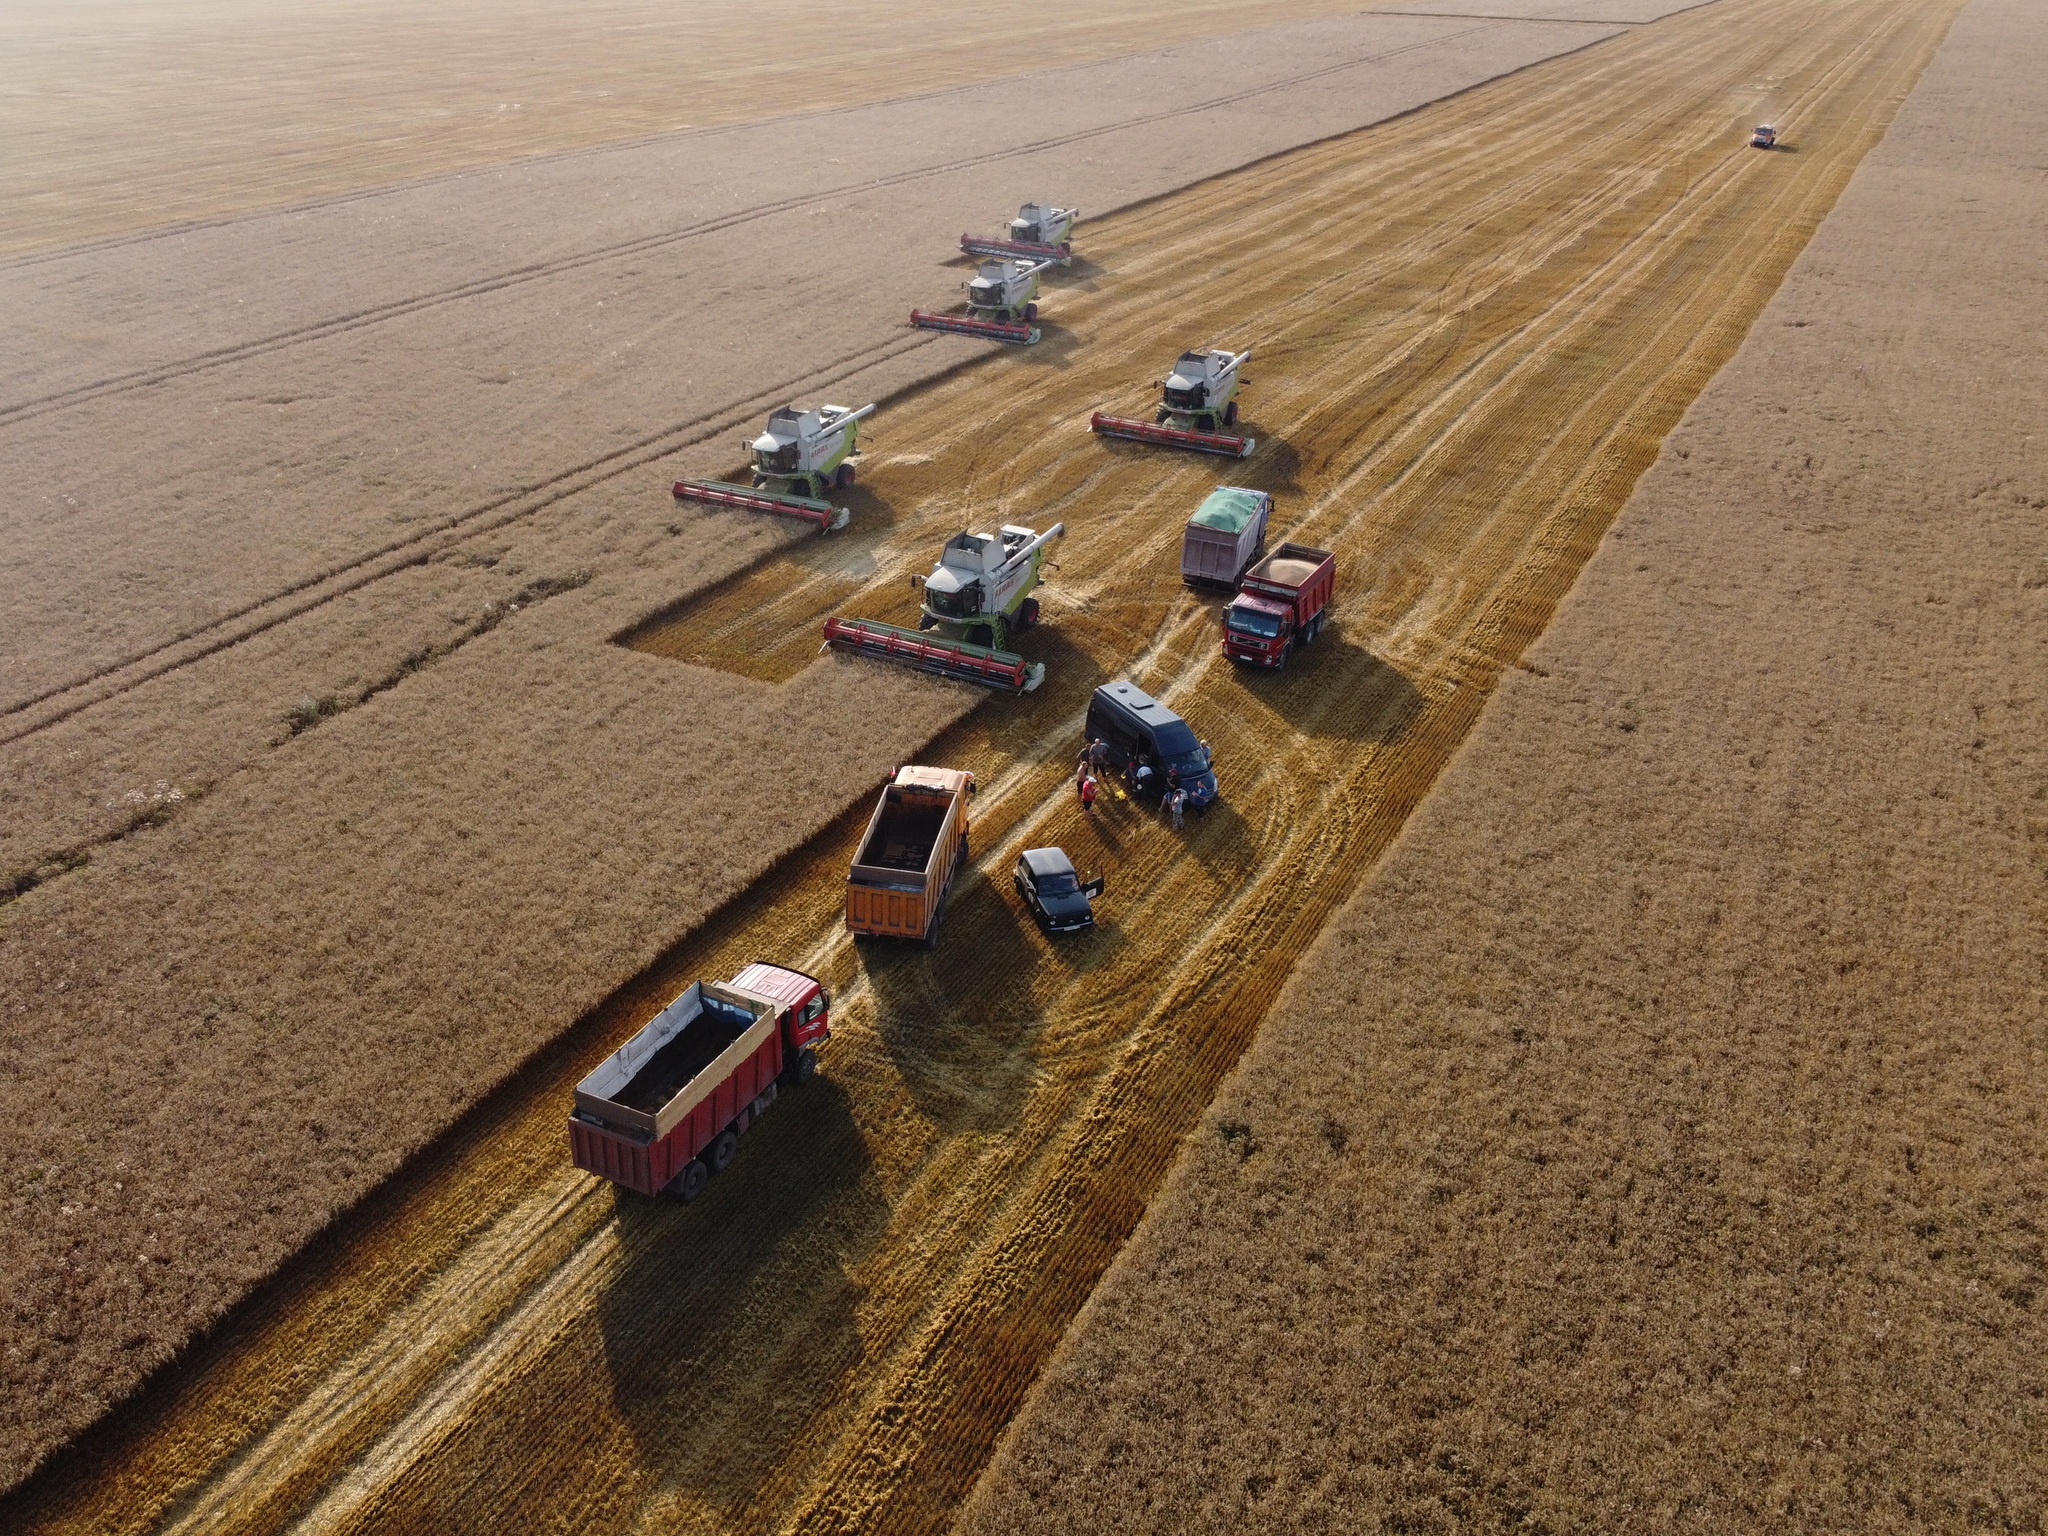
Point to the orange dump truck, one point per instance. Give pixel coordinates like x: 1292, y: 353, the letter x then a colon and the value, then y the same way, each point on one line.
x: 916, y: 842
x: 665, y: 1111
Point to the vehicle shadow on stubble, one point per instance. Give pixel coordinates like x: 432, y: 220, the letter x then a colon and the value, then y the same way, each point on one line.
x: 959, y: 1021
x: 710, y: 1302
x: 1338, y: 690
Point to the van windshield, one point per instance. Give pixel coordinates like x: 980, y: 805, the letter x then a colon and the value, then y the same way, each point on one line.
x: 1179, y: 752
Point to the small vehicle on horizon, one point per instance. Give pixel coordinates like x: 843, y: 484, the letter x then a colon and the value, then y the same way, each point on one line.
x: 1765, y: 137
x: 1058, y: 897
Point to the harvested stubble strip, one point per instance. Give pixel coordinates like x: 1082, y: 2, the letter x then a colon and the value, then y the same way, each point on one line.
x: 877, y: 1287
x: 1656, y: 1142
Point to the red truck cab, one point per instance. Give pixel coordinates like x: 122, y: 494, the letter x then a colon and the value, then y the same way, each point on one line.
x: 1284, y: 603
x: 665, y: 1111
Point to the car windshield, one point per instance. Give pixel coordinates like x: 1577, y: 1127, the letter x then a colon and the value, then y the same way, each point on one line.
x: 1249, y: 621
x: 1061, y: 884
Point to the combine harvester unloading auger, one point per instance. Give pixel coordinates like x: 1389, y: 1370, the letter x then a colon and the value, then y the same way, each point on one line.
x: 798, y: 462
x: 976, y: 598
x: 1001, y: 304
x: 1198, y: 399
x: 1039, y: 233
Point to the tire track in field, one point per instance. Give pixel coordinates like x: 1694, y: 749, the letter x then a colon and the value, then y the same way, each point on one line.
x: 59, y: 702
x: 335, y: 325
x: 834, y: 1337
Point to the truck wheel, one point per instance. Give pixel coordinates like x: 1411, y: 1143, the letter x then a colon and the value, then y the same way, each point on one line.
x: 720, y: 1155
x: 1230, y: 414
x: 1030, y: 614
x: 804, y: 1068
x: 1286, y: 651
x: 1030, y: 312
x: 845, y: 476
x: 689, y: 1184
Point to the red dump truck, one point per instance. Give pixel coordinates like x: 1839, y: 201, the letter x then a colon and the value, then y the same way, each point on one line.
x: 916, y: 842
x: 1283, y: 603
x: 665, y: 1111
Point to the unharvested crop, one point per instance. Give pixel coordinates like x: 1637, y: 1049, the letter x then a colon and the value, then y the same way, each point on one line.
x: 1476, y: 325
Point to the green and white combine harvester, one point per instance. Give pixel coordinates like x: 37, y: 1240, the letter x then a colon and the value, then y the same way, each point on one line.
x: 798, y: 462
x: 1002, y: 301
x: 976, y: 600
x: 1197, y: 402
x: 1039, y: 232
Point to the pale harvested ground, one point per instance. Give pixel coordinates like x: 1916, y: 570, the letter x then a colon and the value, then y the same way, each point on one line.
x: 224, y: 453
x: 122, y: 115
x: 1549, y: 267
x: 1657, y: 1142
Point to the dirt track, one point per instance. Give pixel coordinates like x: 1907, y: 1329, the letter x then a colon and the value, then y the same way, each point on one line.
x: 1455, y: 393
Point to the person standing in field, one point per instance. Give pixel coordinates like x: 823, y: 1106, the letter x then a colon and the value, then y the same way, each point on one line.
x: 1174, y: 803
x: 1087, y: 788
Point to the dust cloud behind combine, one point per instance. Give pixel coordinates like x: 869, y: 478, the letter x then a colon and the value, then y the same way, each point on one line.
x: 1474, y: 327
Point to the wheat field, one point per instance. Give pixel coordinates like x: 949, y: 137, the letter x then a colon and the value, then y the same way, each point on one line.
x: 1474, y: 327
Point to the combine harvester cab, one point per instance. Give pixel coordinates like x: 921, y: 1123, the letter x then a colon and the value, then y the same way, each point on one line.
x: 666, y: 1110
x: 798, y: 462
x: 1039, y: 232
x: 1002, y: 301
x: 1198, y: 399
x: 977, y: 598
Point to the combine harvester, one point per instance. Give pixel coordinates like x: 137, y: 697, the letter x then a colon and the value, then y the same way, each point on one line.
x: 798, y: 462
x: 1039, y: 232
x: 976, y: 598
x: 1199, y: 397
x: 1002, y: 301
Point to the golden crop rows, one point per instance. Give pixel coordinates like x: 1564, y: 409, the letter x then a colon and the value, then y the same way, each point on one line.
x: 1473, y: 327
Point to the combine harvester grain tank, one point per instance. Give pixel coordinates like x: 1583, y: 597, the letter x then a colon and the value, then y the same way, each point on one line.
x: 1039, y: 233
x: 798, y: 462
x: 1002, y: 301
x: 1197, y: 401
x: 977, y: 598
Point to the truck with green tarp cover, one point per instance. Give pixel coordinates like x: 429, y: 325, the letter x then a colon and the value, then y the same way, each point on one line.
x: 1226, y: 534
